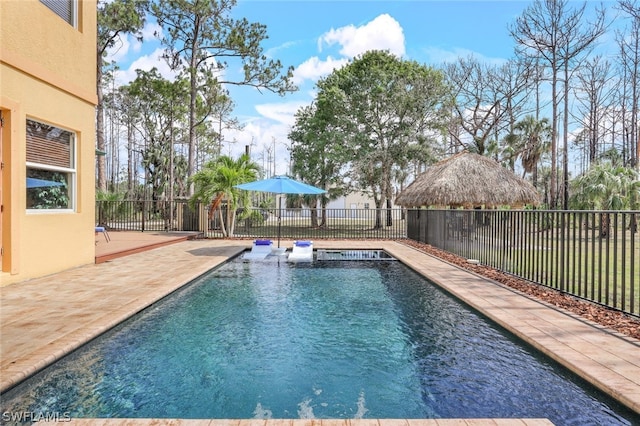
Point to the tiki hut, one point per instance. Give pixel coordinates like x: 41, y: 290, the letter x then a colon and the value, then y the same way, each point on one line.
x: 468, y: 180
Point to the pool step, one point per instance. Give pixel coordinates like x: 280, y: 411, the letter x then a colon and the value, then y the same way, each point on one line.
x: 322, y: 254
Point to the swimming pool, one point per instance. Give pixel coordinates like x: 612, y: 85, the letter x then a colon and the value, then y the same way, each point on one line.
x: 335, y: 339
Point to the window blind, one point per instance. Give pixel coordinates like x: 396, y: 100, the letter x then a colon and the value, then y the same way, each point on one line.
x: 62, y: 8
x: 48, y: 145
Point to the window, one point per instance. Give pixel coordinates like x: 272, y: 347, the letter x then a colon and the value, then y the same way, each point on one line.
x: 66, y: 9
x: 50, y: 167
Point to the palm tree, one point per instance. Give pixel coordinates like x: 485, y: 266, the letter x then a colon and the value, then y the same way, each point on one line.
x: 533, y: 139
x: 607, y: 185
x: 218, y: 180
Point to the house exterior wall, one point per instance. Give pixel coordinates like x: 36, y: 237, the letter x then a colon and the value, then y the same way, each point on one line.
x: 354, y: 200
x: 47, y: 74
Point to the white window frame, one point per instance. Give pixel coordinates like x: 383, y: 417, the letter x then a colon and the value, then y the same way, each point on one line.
x: 54, y: 6
x: 70, y: 171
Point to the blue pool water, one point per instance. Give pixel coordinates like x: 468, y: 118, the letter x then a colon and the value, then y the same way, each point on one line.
x: 322, y: 340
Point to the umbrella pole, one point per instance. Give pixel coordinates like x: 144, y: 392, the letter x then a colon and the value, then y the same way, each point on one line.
x: 279, y: 218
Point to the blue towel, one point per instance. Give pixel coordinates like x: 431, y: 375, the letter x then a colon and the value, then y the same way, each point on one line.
x: 303, y: 243
x: 262, y: 242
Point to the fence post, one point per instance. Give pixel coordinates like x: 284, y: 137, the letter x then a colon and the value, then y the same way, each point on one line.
x: 144, y: 208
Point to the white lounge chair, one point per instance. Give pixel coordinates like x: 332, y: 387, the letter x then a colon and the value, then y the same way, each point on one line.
x: 302, y: 250
x: 259, y: 250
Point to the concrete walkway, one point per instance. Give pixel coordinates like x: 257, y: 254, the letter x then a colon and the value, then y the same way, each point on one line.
x: 41, y: 320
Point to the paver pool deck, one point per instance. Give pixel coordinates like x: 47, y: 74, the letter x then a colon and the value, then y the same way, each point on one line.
x: 42, y: 320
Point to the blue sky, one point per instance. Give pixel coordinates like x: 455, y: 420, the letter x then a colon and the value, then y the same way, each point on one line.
x: 315, y: 37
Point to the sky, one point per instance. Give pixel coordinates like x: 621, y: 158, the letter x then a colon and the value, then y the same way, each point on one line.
x: 316, y: 37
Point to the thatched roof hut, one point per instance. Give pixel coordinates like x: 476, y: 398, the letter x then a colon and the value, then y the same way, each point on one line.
x: 468, y: 180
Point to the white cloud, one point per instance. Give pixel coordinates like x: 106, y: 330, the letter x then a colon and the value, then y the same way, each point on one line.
x: 314, y: 68
x: 280, y: 112
x: 383, y: 33
x: 151, y: 31
x: 119, y: 50
x: 126, y: 44
x: 274, y: 51
x: 146, y: 63
x: 259, y: 136
x: 260, y: 132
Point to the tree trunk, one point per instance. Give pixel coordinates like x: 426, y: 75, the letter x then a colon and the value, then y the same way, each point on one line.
x: 604, y: 225
x: 223, y: 228
x: 323, y: 219
x: 633, y: 224
x: 100, y: 145
x: 554, y: 135
x: 565, y: 140
x: 130, y: 159
x: 378, y: 223
x: 193, y: 94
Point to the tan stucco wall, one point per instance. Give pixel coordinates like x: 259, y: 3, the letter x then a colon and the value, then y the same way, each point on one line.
x: 47, y: 73
x: 37, y: 40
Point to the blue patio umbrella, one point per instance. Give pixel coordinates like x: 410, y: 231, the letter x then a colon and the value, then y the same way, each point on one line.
x: 281, y: 185
x: 41, y: 183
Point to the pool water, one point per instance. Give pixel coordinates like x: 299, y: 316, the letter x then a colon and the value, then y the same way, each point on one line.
x: 321, y: 340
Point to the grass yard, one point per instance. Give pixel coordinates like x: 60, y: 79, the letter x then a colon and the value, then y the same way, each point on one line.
x: 605, y: 270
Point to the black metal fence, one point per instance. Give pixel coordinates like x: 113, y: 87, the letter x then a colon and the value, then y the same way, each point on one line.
x: 259, y: 223
x: 593, y: 255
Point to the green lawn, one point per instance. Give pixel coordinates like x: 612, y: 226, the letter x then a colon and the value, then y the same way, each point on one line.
x: 604, y: 270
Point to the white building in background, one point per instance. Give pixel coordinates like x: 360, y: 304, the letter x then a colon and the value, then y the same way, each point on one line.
x: 349, y: 206
x: 352, y: 203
